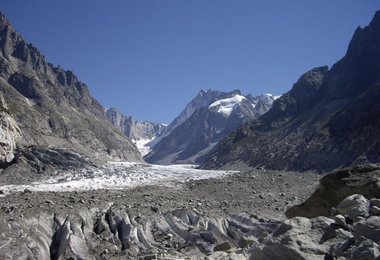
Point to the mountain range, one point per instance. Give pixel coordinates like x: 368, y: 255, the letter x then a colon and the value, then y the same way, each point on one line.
x: 329, y: 119
x: 208, y: 118
x: 192, y: 135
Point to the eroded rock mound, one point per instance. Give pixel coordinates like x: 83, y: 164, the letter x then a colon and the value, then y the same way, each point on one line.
x: 336, y: 186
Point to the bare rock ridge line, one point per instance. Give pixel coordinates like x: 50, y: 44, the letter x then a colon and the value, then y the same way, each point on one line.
x: 329, y: 119
x: 48, y: 107
x: 140, y: 132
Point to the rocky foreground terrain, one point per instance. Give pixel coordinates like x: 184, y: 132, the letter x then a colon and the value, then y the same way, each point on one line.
x: 237, y: 216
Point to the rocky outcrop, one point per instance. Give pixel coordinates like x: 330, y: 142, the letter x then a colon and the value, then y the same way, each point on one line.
x: 9, y: 135
x: 329, y: 118
x: 208, y: 118
x: 133, y: 128
x: 334, y: 187
x: 140, y: 132
x: 51, y: 106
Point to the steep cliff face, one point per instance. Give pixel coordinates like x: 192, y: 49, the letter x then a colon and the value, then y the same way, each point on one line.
x: 140, y: 132
x: 132, y: 128
x: 51, y: 106
x: 328, y: 119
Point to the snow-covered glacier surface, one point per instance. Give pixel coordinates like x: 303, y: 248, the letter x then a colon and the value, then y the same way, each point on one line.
x: 119, y: 175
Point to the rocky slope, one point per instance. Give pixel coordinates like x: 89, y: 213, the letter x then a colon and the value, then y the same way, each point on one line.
x: 206, y: 218
x: 46, y: 107
x: 329, y: 119
x: 140, y: 132
x: 209, y: 117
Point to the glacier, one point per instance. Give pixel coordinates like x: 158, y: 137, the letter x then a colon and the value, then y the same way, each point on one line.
x: 118, y: 175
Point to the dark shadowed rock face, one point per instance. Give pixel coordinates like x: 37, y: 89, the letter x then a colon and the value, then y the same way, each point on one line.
x: 51, y: 107
x: 329, y: 119
x: 336, y: 186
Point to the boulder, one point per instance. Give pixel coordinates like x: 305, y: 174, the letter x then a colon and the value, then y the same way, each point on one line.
x: 374, y: 210
x: 354, y: 206
x: 301, y: 238
x: 375, y: 202
x: 340, y: 220
x: 225, y: 246
x: 368, y: 228
x: 366, y: 250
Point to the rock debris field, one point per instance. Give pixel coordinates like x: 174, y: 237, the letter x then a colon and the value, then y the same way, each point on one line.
x: 139, y: 211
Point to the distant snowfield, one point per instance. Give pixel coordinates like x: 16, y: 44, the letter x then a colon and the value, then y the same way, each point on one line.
x: 225, y: 106
x: 119, y: 175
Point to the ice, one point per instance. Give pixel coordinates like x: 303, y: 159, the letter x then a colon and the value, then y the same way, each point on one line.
x: 225, y: 106
x: 143, y: 146
x: 119, y: 175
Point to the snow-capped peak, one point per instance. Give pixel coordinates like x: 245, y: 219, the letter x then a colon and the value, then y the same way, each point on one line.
x: 225, y: 106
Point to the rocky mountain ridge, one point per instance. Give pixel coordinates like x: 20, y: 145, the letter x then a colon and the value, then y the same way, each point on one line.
x: 328, y: 119
x: 140, y: 132
x: 50, y: 107
x: 209, y: 117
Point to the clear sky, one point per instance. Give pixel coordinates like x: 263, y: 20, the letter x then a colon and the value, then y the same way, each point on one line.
x: 149, y: 58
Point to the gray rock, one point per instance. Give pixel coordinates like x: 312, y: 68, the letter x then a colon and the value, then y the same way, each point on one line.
x: 366, y: 250
x: 375, y: 202
x: 340, y: 249
x: 368, y: 228
x: 10, y: 134
x: 301, y: 238
x: 340, y: 220
x: 374, y: 210
x: 354, y: 206
x: 222, y: 247
x: 60, y: 240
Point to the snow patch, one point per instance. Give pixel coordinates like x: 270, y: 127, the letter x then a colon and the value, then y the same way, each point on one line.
x: 225, y: 106
x: 143, y: 146
x: 119, y: 175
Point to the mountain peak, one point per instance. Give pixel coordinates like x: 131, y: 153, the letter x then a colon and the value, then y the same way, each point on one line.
x: 3, y: 20
x: 375, y: 20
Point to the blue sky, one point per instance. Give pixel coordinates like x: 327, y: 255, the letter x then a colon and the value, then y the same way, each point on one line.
x: 149, y: 58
